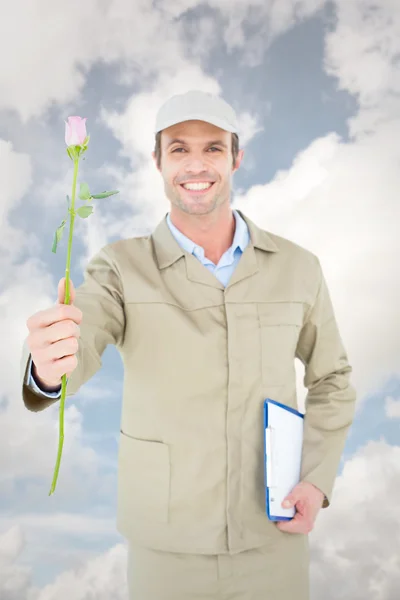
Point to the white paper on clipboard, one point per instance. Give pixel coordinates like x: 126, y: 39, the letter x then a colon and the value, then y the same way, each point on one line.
x: 283, y: 450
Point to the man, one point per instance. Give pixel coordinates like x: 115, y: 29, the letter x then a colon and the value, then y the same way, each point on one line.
x: 209, y: 313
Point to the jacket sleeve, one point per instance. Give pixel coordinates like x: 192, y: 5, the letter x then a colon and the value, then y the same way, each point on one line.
x: 100, y: 298
x: 330, y: 401
x: 35, y: 386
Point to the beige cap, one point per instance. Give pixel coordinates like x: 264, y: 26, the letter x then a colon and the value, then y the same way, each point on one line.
x: 196, y: 104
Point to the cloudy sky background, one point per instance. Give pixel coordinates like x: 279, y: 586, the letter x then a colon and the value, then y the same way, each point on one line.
x: 316, y: 87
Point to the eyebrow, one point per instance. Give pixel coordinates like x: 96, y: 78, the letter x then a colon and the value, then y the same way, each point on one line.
x: 213, y: 143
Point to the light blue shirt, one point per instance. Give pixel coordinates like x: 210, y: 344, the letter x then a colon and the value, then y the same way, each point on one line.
x: 223, y: 270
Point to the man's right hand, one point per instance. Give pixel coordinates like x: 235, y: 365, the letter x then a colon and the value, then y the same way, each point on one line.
x: 53, y: 339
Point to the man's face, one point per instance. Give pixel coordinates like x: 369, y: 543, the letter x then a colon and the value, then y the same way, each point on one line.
x: 196, y: 151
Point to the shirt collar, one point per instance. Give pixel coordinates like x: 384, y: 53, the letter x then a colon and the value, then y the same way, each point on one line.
x: 240, y: 239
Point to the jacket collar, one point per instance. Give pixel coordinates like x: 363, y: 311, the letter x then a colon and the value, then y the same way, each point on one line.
x: 168, y: 251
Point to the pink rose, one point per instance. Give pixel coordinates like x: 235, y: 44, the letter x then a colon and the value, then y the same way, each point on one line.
x: 75, y: 131
x: 77, y: 144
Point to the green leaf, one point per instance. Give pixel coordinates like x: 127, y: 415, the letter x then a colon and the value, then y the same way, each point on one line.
x: 84, y: 192
x: 84, y: 211
x: 54, y: 247
x: 58, y: 236
x: 105, y: 194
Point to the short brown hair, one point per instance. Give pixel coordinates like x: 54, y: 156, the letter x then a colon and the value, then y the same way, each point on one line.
x: 235, y: 148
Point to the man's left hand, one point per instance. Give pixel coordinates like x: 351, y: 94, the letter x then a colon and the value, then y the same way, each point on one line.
x: 308, y: 500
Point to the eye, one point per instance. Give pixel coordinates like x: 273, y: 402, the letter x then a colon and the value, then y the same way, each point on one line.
x: 211, y: 148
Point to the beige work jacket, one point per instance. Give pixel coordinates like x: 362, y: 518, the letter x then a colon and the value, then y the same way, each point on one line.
x: 199, y: 360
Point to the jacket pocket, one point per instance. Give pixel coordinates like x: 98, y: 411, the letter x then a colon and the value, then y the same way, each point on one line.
x: 280, y: 325
x: 143, y: 480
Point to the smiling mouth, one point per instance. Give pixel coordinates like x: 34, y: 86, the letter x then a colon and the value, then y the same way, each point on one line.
x: 197, y: 192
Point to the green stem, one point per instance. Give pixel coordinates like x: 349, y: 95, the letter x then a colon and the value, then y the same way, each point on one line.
x: 66, y: 301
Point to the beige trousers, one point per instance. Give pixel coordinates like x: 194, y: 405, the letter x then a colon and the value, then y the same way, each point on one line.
x: 255, y: 574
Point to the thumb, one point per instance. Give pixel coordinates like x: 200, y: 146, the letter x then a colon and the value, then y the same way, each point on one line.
x: 290, y: 499
x: 61, y: 291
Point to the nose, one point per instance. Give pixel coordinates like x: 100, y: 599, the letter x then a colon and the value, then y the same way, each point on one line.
x: 194, y: 165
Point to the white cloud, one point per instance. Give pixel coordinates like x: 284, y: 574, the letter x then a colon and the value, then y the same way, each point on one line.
x: 15, y: 580
x: 55, y: 37
x: 13, y: 187
x: 16, y: 178
x: 101, y: 576
x: 392, y: 408
x: 49, y: 525
x: 355, y: 541
x: 251, y: 27
x: 74, y: 37
x: 63, y: 41
x: 362, y: 52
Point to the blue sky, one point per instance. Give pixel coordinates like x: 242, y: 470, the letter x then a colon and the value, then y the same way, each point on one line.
x: 315, y: 88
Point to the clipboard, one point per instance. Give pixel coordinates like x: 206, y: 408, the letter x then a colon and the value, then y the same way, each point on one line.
x: 283, y: 442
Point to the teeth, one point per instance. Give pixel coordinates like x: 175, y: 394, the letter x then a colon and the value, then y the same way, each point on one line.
x: 197, y: 186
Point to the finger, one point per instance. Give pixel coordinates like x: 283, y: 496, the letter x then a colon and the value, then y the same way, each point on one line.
x: 61, y: 291
x: 289, y: 527
x: 304, y: 508
x: 299, y: 501
x: 61, y: 349
x: 296, y: 525
x: 52, y: 315
x: 289, y: 501
x: 59, y: 331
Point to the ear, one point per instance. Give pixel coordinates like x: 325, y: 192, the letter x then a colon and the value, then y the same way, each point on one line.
x: 153, y: 154
x: 239, y: 159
